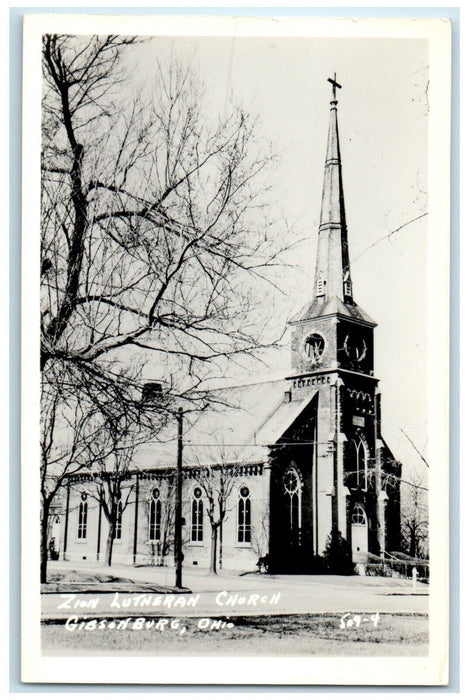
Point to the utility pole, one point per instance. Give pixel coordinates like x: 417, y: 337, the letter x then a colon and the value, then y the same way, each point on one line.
x: 178, y: 515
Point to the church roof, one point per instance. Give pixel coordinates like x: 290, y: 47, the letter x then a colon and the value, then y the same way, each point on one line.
x: 279, y: 422
x: 321, y: 306
x: 243, y: 421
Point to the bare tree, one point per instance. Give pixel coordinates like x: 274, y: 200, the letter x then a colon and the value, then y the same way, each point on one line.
x: 217, y: 483
x: 112, y: 493
x: 414, y: 516
x: 89, y: 430
x: 112, y: 453
x: 148, y: 235
x: 413, y: 503
x: 154, y: 236
x: 161, y: 548
x: 260, y: 533
x: 69, y: 425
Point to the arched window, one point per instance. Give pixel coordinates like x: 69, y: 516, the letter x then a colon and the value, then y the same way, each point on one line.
x: 358, y: 515
x: 197, y: 530
x: 360, y: 466
x: 244, y: 515
x: 292, y: 495
x: 118, y: 530
x: 82, y: 517
x: 155, y: 516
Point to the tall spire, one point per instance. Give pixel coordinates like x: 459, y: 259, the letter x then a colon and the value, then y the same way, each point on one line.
x: 332, y: 292
x: 332, y: 279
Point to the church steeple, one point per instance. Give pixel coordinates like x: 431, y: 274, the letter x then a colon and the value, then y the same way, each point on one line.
x: 332, y: 279
x: 332, y: 291
x: 332, y: 332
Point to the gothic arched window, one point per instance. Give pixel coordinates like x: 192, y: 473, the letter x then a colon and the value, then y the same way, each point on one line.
x: 118, y: 530
x: 360, y: 467
x: 292, y: 496
x: 155, y: 516
x: 358, y: 515
x: 82, y: 517
x: 244, y: 515
x: 197, y: 529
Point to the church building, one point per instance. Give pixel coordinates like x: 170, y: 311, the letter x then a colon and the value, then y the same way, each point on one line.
x: 292, y: 458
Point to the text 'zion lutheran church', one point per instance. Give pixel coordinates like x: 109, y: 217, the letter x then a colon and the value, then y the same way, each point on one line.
x: 293, y: 458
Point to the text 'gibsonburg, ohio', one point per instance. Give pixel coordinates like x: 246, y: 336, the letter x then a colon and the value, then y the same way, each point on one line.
x: 77, y: 624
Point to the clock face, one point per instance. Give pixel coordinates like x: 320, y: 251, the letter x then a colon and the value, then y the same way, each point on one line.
x: 355, y: 346
x: 314, y: 345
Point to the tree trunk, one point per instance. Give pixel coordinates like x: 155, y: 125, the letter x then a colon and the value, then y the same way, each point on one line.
x: 44, y: 527
x: 109, y: 544
x: 413, y: 543
x: 213, y: 550
x: 220, y: 558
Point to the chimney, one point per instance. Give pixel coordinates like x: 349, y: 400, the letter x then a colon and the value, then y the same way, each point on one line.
x: 152, y: 392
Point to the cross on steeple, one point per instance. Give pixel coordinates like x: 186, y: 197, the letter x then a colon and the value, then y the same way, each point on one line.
x: 335, y: 85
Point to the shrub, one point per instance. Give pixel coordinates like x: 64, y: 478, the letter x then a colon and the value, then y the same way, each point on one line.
x: 338, y: 555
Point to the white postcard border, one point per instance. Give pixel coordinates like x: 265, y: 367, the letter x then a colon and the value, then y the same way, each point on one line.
x: 364, y: 670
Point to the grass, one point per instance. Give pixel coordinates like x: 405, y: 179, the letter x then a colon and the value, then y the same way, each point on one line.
x: 73, y: 581
x: 320, y: 635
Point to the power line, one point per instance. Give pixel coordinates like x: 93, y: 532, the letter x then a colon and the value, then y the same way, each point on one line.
x: 252, y: 444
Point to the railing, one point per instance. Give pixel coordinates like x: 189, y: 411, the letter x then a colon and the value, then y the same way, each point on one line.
x: 397, y: 565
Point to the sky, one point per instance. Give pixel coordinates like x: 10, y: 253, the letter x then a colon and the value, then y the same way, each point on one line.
x: 383, y: 115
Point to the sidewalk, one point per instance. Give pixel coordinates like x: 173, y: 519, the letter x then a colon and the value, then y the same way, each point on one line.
x: 228, y: 593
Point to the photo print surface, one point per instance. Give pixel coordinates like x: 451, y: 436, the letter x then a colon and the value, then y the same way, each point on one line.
x: 236, y: 250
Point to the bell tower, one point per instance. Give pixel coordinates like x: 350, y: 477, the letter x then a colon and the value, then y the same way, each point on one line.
x: 332, y: 331
x: 332, y: 358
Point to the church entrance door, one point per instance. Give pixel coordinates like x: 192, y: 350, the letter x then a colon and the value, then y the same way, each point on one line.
x: 359, y: 534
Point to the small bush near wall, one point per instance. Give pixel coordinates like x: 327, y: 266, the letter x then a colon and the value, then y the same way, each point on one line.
x: 338, y: 555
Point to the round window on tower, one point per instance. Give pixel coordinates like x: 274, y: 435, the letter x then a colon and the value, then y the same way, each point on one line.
x: 314, y: 345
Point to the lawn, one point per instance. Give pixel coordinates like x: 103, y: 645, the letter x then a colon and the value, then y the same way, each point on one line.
x: 259, y: 635
x: 81, y: 582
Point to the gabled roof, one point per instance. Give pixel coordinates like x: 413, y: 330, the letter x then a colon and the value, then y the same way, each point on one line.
x: 285, y: 415
x: 244, y: 422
